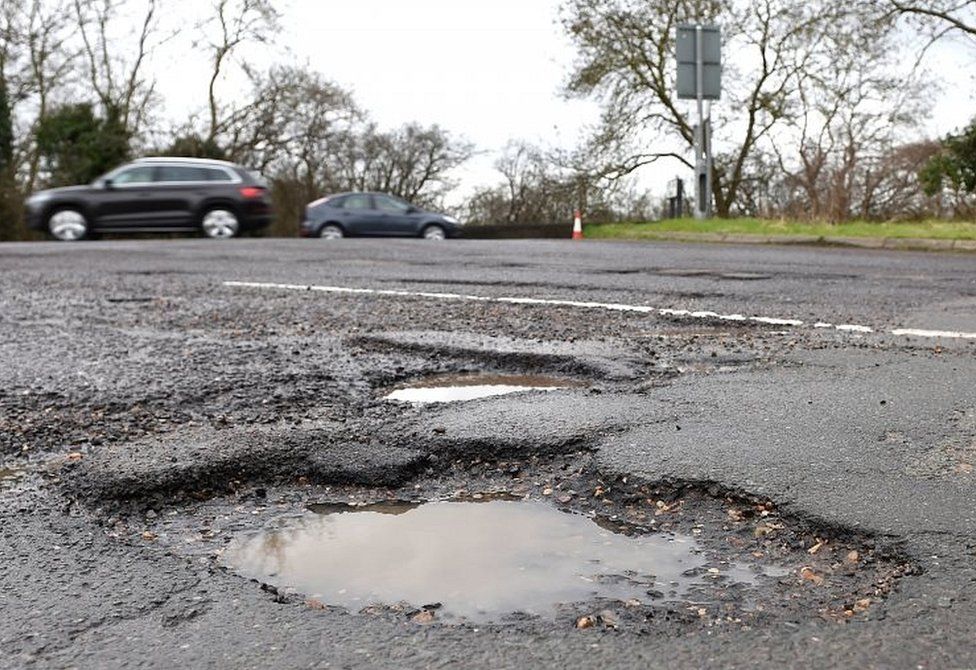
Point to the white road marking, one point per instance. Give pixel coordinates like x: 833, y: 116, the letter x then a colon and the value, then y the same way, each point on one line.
x: 613, y: 307
x: 852, y: 328
x: 948, y: 334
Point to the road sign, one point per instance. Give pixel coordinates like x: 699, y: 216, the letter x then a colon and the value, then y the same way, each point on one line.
x: 699, y: 55
x: 688, y: 55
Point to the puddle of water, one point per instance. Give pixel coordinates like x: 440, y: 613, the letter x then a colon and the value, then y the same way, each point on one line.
x: 453, y: 388
x: 481, y: 561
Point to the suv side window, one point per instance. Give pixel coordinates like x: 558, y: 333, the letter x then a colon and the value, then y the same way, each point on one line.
x: 357, y: 201
x: 213, y: 174
x: 137, y: 175
x: 180, y: 173
x: 392, y: 205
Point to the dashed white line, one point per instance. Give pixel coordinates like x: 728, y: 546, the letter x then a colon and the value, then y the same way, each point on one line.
x: 946, y: 334
x: 613, y: 307
x: 853, y: 328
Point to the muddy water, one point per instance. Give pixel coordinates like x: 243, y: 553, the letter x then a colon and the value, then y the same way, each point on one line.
x: 453, y: 388
x: 481, y: 561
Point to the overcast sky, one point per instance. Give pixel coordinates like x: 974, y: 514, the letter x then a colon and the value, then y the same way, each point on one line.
x: 487, y: 70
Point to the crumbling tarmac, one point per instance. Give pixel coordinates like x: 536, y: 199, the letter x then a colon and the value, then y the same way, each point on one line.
x: 155, y: 416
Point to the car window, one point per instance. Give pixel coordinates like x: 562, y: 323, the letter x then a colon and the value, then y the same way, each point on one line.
x: 358, y: 201
x: 389, y: 204
x: 136, y: 175
x: 180, y: 173
x: 213, y: 174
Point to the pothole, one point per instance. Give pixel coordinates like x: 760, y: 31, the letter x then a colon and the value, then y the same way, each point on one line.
x: 477, y: 561
x: 455, y: 388
x: 743, y: 562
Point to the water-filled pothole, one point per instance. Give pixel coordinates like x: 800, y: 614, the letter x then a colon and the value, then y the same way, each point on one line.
x: 480, y: 561
x: 453, y: 388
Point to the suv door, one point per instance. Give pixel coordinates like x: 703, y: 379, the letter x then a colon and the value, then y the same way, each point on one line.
x: 396, y: 217
x: 180, y: 190
x: 127, y: 201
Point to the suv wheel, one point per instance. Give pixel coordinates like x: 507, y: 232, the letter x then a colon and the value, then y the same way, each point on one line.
x: 434, y: 233
x: 220, y: 224
x: 331, y: 232
x: 68, y: 225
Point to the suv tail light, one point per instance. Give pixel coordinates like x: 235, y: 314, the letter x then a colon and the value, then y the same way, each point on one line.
x: 252, y: 192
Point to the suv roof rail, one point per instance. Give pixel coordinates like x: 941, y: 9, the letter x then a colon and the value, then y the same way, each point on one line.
x: 182, y: 159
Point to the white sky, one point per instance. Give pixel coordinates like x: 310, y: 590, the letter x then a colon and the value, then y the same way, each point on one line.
x: 487, y: 70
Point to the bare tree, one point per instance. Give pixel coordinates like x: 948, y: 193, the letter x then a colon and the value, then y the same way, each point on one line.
x: 291, y: 122
x: 235, y: 23
x: 850, y: 112
x: 897, y: 193
x: 117, y: 74
x: 949, y: 15
x: 627, y: 62
x: 36, y: 62
x: 289, y: 130
x: 51, y: 59
x: 542, y: 186
x: 413, y: 162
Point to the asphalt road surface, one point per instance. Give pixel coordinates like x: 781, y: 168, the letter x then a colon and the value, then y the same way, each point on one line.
x: 809, y: 406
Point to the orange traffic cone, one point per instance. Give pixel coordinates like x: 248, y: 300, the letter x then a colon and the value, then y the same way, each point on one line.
x: 577, y: 225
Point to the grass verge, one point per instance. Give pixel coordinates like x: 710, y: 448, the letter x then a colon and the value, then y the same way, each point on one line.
x: 942, y: 230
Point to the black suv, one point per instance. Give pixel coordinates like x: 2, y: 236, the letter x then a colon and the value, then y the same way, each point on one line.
x: 156, y: 195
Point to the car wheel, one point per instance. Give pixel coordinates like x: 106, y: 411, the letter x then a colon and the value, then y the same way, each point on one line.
x: 220, y: 224
x: 433, y: 232
x: 331, y: 232
x: 68, y: 225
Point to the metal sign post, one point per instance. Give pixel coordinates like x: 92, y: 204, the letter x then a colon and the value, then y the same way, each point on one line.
x: 699, y: 54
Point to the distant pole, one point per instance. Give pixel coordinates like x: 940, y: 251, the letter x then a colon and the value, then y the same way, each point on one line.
x: 702, y: 201
x: 679, y: 197
x: 707, y: 196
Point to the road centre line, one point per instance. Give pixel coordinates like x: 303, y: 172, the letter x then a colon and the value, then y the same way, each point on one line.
x: 948, y: 334
x: 612, y: 307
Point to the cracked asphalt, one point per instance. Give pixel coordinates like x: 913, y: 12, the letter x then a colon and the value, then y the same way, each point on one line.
x: 150, y: 413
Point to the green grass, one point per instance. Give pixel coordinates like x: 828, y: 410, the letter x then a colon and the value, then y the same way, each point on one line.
x: 944, y: 230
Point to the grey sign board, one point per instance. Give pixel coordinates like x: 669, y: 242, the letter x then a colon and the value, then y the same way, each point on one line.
x: 711, y: 57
